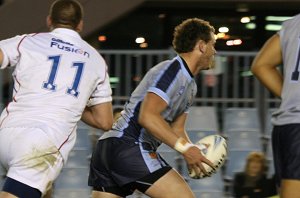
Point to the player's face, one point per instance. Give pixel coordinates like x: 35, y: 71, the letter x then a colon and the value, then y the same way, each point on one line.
x: 207, y: 58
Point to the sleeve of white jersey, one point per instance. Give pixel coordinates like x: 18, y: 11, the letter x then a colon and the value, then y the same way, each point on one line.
x: 102, y: 93
x: 10, y: 50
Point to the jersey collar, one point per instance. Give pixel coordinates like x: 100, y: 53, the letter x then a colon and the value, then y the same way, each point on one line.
x: 184, y: 66
x: 66, y: 31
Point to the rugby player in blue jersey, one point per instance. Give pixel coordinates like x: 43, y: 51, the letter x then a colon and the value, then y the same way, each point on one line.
x: 125, y: 158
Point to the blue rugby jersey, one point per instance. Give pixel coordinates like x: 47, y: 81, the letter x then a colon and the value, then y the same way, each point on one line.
x: 173, y: 82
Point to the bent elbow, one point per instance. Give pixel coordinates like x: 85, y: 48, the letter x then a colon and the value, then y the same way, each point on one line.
x: 142, y: 119
x: 106, y: 128
x: 105, y: 125
x: 255, y: 69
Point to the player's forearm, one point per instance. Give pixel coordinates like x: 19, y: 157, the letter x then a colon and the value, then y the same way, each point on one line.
x: 87, y: 118
x: 178, y: 127
x: 159, y: 128
x: 180, y: 132
x: 271, y: 78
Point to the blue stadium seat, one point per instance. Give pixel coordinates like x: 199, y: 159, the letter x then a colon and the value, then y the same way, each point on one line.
x: 209, y: 194
x: 269, y: 156
x: 268, y: 124
x: 209, y: 184
x: 195, y: 136
x: 241, y: 119
x: 83, y: 140
x: 78, y: 159
x: 72, y: 178
x: 271, y: 168
x: 2, y: 171
x: 202, y: 118
x: 72, y: 193
x: 269, y: 152
x: 250, y: 140
x: 82, y: 125
x: 235, y: 162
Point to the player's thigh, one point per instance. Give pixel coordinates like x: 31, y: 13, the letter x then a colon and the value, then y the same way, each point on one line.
x: 6, y: 195
x: 170, y: 185
x: 290, y: 188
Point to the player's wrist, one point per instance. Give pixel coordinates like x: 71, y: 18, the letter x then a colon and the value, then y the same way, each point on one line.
x: 182, y: 145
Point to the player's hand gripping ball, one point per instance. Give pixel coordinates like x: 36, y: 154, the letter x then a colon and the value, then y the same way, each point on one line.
x: 214, y: 148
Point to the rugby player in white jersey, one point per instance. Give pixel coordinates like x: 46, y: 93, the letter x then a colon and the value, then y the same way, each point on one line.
x: 125, y: 158
x: 58, y: 80
x: 283, y: 48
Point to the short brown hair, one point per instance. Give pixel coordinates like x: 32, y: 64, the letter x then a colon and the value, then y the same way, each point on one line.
x: 66, y: 13
x: 189, y: 32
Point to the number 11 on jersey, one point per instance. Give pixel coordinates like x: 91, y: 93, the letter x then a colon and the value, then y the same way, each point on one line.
x: 50, y: 83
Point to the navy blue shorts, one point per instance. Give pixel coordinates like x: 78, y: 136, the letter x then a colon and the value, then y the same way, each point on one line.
x: 118, y: 165
x: 286, y: 151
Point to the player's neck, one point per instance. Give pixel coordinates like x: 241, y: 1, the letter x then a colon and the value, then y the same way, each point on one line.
x: 191, y: 62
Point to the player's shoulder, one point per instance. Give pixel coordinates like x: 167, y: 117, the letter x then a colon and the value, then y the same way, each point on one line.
x: 33, y: 36
x: 163, y: 65
x: 15, y: 39
x: 36, y: 34
x: 292, y: 21
x: 91, y: 48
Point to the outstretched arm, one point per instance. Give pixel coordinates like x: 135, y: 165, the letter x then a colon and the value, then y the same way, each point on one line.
x: 264, y: 66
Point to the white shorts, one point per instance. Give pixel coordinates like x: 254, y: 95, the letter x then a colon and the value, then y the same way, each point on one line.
x: 30, y: 157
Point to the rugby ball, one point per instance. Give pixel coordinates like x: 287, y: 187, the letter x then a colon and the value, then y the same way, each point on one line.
x: 214, y: 148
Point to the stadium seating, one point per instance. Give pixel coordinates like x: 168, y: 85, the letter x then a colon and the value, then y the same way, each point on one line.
x: 209, y: 194
x: 245, y: 119
x: 202, y: 118
x: 72, y: 193
x: 269, y: 155
x: 271, y: 168
x: 195, y: 136
x: 235, y: 162
x: 268, y: 124
x: 250, y: 140
x: 269, y: 152
x: 1, y: 181
x: 83, y: 140
x: 215, y: 183
x: 78, y: 159
x: 72, y: 179
x: 2, y: 171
